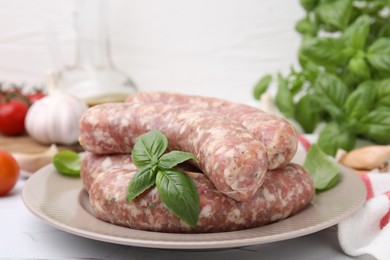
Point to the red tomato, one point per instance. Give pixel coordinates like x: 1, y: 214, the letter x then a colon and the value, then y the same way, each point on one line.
x: 9, y: 172
x: 15, y: 90
x: 12, y: 115
x: 35, y: 96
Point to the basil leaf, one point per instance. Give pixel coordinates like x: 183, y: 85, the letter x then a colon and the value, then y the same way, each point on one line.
x: 311, y: 72
x: 302, y: 59
x: 327, y: 27
x: 336, y: 12
x: 359, y: 68
x: 379, y: 55
x: 262, y: 86
x: 284, y: 99
x: 324, y: 171
x: 327, y: 52
x: 67, y: 162
x: 373, y: 7
x: 384, y: 30
x: 335, y: 136
x: 308, y: 4
x: 307, y: 113
x: 177, y: 190
x: 143, y: 179
x: 306, y: 26
x: 179, y: 194
x: 355, y: 36
x: 376, y: 125
x: 297, y: 84
x: 331, y: 92
x: 332, y: 182
x: 360, y: 101
x: 382, y: 89
x: 173, y: 158
x: 148, y: 148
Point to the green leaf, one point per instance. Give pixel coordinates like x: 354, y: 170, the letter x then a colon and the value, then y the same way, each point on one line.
x: 148, y: 148
x: 261, y: 86
x: 355, y: 36
x: 335, y: 136
x: 284, y: 99
x: 179, y: 194
x: 327, y: 27
x: 308, y: 4
x: 383, y: 93
x: 324, y: 171
x: 67, y: 162
x: 311, y: 72
x: 307, y: 113
x: 384, y: 30
x: 332, y: 182
x: 327, y: 52
x: 359, y: 68
x: 336, y: 12
x: 375, y: 6
x: 360, y: 101
x: 376, y: 125
x: 142, y: 180
x: 331, y: 93
x: 297, y: 84
x: 171, y: 159
x: 177, y: 190
x: 302, y: 59
x: 306, y: 26
x: 379, y: 55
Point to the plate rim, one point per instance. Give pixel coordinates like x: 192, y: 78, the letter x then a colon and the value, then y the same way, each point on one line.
x: 42, y: 174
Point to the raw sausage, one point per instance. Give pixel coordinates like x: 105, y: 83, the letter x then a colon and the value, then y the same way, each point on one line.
x: 94, y: 164
x: 278, y: 135
x: 232, y: 158
x: 229, y: 155
x: 284, y: 192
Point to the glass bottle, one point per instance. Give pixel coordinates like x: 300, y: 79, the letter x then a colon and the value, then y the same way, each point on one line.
x: 93, y: 77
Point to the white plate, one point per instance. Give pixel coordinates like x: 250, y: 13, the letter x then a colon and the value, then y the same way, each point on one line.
x: 61, y: 202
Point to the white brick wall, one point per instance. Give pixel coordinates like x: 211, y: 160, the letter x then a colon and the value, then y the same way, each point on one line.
x: 216, y: 47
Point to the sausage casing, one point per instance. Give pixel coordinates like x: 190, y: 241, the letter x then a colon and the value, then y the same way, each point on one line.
x: 231, y: 157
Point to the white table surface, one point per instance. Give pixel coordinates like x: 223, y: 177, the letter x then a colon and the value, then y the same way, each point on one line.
x: 25, y: 236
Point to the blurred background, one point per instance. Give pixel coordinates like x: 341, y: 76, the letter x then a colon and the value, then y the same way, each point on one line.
x: 209, y: 47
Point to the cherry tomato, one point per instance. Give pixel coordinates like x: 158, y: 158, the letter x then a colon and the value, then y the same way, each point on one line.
x: 9, y: 172
x: 35, y: 96
x: 12, y: 114
x: 15, y: 90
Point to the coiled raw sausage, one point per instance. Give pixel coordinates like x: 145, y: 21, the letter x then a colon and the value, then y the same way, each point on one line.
x: 231, y: 157
x: 277, y: 135
x: 284, y: 192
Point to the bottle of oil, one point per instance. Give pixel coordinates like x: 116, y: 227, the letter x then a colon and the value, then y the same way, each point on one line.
x: 93, y: 76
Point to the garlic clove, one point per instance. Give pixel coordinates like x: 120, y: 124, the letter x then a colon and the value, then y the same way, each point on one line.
x: 31, y: 162
x: 367, y: 158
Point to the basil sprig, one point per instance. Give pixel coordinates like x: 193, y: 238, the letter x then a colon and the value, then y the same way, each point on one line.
x: 177, y: 190
x: 343, y: 76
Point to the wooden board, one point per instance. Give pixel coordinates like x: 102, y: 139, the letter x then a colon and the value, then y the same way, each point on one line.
x: 25, y: 144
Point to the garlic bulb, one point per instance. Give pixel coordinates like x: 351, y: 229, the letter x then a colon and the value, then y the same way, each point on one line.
x: 55, y: 118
